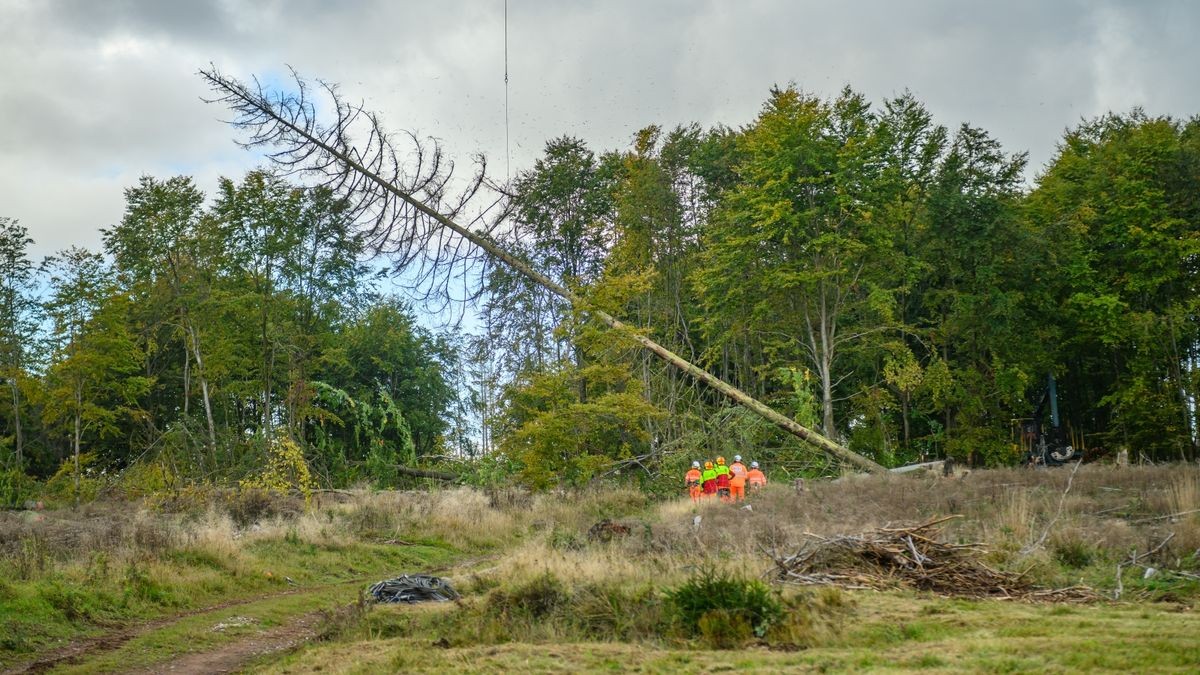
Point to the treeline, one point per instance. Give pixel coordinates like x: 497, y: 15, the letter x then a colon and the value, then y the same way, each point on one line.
x: 886, y: 280
x: 215, y: 340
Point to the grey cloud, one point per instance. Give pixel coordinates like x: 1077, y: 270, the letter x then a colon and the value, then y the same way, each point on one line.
x: 94, y: 94
x: 187, y: 19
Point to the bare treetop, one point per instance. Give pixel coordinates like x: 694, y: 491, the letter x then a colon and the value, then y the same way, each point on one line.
x: 403, y: 192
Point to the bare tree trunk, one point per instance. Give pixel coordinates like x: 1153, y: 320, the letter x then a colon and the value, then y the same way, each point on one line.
x: 820, y: 349
x: 187, y: 377
x: 1176, y: 371
x: 268, y: 365
x: 826, y: 397
x: 75, y: 442
x: 19, y: 438
x: 208, y: 414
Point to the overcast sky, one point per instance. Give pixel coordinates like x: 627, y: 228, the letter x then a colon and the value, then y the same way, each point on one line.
x: 95, y: 93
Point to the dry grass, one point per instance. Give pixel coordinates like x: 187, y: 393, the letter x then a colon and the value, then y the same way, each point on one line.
x: 1108, y: 513
x: 214, y: 542
x: 1108, y: 509
x: 1185, y: 493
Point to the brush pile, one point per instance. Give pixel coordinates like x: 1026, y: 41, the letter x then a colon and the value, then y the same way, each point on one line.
x: 915, y: 557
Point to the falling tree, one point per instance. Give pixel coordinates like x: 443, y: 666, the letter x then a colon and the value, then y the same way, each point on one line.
x: 407, y: 209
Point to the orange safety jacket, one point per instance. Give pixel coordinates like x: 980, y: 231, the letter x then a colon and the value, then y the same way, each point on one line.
x: 738, y: 480
x: 756, y: 477
x: 693, y: 477
x: 737, y: 469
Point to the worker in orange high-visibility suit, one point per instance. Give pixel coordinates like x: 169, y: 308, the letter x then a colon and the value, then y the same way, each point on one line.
x: 737, y: 467
x: 692, y: 481
x: 722, y: 479
x: 755, y: 478
x: 708, y: 480
x: 737, y: 486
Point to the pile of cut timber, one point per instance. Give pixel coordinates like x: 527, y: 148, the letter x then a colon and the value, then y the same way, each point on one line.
x: 914, y: 556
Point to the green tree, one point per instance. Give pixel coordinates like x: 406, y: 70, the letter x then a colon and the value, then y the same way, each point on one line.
x: 325, y: 281
x: 658, y: 207
x: 164, y: 257
x: 93, y: 381
x: 560, y: 206
x: 18, y: 320
x: 976, y: 299
x: 259, y: 222
x: 1118, y: 207
x: 789, y: 264
x: 386, y: 350
x: 562, y: 437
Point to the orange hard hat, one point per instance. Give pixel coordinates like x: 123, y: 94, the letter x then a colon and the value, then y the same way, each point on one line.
x: 720, y: 460
x: 708, y: 465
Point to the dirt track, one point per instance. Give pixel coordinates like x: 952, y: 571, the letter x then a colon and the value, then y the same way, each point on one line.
x: 231, y: 657
x: 78, y: 651
x: 222, y: 659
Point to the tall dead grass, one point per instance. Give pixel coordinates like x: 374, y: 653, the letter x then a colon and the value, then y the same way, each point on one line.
x: 1108, y: 512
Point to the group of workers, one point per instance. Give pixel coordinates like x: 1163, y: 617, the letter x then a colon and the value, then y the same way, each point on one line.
x: 725, y: 482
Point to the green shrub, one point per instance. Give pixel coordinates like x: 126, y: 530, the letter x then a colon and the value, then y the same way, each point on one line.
x: 61, y: 489
x: 74, y: 605
x: 16, y: 488
x: 722, y: 609
x: 143, y: 479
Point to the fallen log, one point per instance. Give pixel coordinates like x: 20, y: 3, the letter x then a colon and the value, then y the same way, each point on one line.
x: 418, y: 473
x: 425, y: 473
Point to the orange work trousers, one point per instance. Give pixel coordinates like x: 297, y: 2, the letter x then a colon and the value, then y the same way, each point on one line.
x: 695, y: 491
x: 737, y: 493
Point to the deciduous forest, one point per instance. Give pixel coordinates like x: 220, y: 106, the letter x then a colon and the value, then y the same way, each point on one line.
x: 901, y: 286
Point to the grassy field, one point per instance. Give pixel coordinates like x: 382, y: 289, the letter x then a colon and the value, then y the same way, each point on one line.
x: 271, y: 584
x: 882, y: 632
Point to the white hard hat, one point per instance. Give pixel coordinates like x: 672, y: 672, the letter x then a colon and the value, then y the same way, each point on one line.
x: 737, y: 458
x: 695, y: 465
x: 753, y: 465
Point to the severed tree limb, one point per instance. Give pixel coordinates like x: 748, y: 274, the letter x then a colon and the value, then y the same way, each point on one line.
x: 1057, y: 514
x: 1166, y: 517
x: 288, y: 122
x: 1134, y: 560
